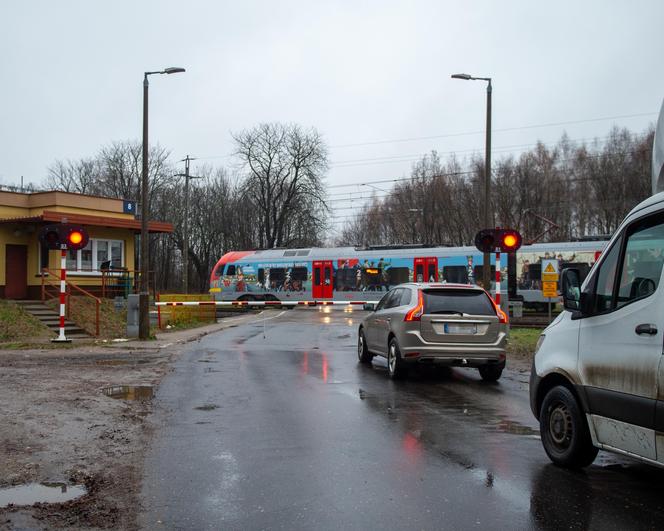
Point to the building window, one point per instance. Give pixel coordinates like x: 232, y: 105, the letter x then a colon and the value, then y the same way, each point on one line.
x: 97, y: 255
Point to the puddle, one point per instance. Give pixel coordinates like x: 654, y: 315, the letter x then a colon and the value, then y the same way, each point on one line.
x: 130, y: 392
x: 40, y: 493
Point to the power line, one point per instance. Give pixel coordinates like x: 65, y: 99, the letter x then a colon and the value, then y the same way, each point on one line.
x: 505, y: 129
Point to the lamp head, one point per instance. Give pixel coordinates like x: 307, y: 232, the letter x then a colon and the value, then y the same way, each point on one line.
x: 466, y: 77
x: 173, y: 70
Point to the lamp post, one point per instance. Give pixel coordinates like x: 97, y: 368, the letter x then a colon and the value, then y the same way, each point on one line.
x: 487, y: 222
x: 143, y: 297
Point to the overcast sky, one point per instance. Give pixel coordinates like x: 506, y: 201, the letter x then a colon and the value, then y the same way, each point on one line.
x: 361, y: 72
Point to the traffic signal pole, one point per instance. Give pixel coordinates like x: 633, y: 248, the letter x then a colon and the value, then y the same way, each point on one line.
x: 63, y: 294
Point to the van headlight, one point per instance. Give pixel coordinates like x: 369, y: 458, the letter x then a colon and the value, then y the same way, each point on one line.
x: 540, y: 340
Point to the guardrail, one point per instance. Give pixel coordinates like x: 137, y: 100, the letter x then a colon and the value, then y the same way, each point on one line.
x: 69, y: 286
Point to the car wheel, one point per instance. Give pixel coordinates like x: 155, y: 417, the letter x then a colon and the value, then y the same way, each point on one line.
x: 491, y: 373
x: 395, y: 365
x: 565, y: 435
x: 363, y: 354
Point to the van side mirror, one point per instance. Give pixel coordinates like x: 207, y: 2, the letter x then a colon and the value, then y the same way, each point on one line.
x: 571, y: 288
x: 369, y: 306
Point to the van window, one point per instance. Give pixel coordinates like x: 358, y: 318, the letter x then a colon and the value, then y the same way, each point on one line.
x: 230, y: 270
x: 605, y: 280
x: 642, y: 264
x: 448, y: 301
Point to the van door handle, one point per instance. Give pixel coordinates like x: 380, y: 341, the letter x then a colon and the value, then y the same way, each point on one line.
x: 646, y: 329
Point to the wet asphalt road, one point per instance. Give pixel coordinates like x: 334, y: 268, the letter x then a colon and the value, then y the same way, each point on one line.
x: 273, y: 424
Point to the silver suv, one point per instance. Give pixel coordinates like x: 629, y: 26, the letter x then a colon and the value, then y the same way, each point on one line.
x: 447, y: 324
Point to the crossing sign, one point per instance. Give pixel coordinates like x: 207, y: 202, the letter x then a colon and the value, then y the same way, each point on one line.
x: 549, y: 270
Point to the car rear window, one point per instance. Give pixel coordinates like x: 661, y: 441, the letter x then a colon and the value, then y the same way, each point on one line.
x: 458, y: 301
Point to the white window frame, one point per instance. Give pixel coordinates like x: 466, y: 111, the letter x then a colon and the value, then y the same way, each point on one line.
x: 95, y: 265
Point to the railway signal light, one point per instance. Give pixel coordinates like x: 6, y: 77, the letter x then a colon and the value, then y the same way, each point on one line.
x: 505, y: 240
x: 72, y: 237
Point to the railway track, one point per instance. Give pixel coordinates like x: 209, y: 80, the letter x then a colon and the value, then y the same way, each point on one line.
x: 533, y: 320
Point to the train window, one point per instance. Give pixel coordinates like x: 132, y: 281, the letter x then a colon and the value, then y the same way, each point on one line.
x: 372, y: 278
x: 230, y: 270
x: 277, y: 274
x: 317, y: 276
x: 299, y: 273
x: 419, y: 273
x: 346, y: 279
x: 431, y: 273
x: 455, y: 274
x: 261, y: 275
x: 478, y: 271
x: 398, y: 275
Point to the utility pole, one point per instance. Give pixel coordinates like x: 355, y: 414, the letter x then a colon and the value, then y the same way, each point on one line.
x: 185, y: 230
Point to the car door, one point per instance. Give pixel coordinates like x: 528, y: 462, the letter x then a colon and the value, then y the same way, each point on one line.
x: 373, y: 320
x: 383, y: 319
x: 620, y: 341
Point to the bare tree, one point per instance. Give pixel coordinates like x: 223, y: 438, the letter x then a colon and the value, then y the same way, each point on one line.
x: 285, y: 166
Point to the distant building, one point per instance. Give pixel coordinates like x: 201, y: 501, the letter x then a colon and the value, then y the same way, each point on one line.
x: 111, y: 224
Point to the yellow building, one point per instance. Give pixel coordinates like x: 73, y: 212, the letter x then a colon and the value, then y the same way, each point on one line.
x: 111, y: 224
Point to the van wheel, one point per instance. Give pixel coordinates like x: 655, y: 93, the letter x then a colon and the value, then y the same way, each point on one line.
x: 565, y: 435
x: 491, y: 373
x: 396, y: 367
x: 363, y: 354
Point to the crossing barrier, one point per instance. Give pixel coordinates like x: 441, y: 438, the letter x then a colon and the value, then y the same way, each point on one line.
x: 261, y: 303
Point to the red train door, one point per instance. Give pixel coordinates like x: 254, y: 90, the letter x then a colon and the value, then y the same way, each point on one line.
x: 425, y: 269
x: 322, y: 284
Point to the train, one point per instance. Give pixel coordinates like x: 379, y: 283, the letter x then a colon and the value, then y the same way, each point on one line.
x: 364, y: 273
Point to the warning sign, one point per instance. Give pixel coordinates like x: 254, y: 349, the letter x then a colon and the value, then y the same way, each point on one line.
x: 549, y: 289
x: 549, y: 270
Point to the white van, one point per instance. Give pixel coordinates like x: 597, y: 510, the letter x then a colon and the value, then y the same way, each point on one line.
x: 598, y: 374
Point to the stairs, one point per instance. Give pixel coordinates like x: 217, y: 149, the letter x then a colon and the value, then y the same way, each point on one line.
x: 51, y: 319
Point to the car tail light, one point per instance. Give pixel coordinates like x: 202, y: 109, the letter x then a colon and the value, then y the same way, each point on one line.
x: 415, y: 314
x: 502, y: 316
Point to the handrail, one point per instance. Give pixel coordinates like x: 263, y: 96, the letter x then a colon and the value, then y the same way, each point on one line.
x: 70, y: 284
x: 131, y: 275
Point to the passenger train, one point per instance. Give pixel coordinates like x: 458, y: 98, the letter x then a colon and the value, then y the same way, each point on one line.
x: 363, y: 273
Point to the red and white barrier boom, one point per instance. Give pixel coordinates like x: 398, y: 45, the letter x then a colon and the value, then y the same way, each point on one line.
x: 264, y: 303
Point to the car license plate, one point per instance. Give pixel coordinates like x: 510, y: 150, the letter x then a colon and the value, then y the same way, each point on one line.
x: 460, y: 328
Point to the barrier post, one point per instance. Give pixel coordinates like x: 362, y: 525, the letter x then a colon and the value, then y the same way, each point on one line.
x: 497, y: 279
x: 63, y: 287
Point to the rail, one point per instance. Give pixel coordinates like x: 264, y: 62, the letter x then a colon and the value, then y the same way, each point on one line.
x: 69, y: 286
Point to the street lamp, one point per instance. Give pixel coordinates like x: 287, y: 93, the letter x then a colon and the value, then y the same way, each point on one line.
x: 143, y: 297
x: 486, y: 270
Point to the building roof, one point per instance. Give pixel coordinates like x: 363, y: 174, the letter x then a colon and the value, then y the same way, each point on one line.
x: 51, y: 216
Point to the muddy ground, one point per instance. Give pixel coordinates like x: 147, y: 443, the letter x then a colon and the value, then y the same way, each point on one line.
x: 57, y: 425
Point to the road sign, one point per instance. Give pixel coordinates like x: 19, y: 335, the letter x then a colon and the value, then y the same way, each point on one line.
x: 549, y: 270
x: 550, y: 289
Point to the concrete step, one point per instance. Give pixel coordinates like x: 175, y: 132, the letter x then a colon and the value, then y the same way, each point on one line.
x: 51, y: 319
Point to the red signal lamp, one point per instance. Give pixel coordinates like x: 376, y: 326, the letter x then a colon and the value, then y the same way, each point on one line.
x: 75, y: 237
x: 64, y: 235
x: 504, y: 240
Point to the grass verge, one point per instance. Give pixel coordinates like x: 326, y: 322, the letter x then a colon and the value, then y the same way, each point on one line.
x: 17, y: 326
x: 112, y: 323
x: 522, y: 342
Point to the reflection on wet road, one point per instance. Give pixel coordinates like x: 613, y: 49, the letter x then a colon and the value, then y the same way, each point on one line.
x: 287, y: 430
